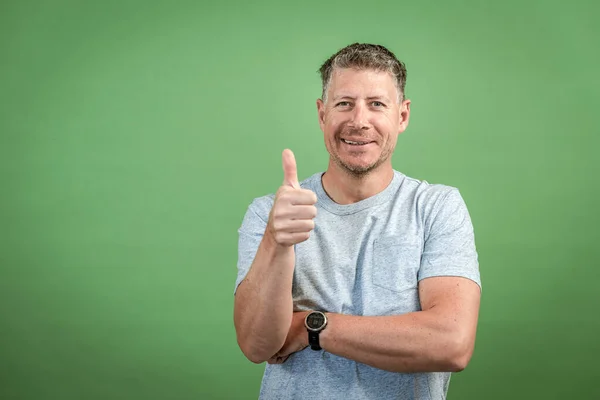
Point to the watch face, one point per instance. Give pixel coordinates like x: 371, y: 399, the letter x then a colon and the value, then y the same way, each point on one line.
x: 315, y: 320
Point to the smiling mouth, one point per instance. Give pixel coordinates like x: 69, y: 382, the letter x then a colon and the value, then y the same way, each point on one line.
x: 355, y: 143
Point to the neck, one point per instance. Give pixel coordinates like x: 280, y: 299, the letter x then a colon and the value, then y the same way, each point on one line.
x: 343, y: 187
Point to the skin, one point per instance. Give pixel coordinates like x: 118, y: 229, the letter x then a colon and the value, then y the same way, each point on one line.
x: 361, y: 106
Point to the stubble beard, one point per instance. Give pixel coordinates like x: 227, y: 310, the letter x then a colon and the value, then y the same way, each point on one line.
x: 357, y: 171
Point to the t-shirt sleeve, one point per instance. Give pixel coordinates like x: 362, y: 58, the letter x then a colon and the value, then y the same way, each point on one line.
x: 250, y: 235
x: 449, y: 248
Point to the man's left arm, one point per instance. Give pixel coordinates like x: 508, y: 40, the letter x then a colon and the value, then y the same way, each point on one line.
x: 440, y: 338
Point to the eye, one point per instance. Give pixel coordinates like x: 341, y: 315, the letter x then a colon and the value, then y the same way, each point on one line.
x: 377, y: 104
x: 343, y: 104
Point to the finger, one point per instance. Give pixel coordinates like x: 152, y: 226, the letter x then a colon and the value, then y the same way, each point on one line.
x: 292, y: 238
x: 304, y: 212
x: 295, y: 212
x: 296, y: 226
x: 305, y: 197
x: 298, y: 197
x: 290, y: 171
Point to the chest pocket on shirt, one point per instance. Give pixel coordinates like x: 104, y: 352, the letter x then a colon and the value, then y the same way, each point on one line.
x: 396, y: 263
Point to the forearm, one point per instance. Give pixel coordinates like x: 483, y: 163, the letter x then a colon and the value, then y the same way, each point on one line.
x: 263, y: 301
x: 424, y: 341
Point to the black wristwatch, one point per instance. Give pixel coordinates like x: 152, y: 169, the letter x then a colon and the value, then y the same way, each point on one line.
x: 315, y: 322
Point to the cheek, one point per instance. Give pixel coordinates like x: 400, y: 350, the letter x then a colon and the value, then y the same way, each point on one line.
x: 390, y: 128
x: 331, y: 128
x: 390, y: 118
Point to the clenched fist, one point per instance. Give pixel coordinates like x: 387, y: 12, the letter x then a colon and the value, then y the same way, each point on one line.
x: 291, y: 218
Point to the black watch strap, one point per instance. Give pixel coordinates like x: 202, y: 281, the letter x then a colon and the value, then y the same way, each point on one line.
x: 313, y: 340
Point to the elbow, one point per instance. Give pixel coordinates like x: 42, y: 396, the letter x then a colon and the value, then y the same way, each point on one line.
x: 252, y: 348
x: 258, y: 347
x: 460, y: 355
x: 255, y: 358
x: 258, y: 351
x: 458, y: 363
x: 252, y: 352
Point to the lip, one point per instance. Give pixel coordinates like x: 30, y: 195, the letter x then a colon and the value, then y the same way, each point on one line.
x: 366, y: 142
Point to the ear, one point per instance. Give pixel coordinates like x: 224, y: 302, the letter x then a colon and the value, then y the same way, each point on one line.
x: 321, y: 113
x: 404, y: 115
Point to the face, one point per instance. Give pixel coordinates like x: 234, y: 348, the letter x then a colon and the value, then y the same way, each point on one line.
x: 361, y: 119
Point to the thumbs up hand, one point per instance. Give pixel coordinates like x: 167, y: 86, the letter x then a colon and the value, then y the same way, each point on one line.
x: 291, y: 218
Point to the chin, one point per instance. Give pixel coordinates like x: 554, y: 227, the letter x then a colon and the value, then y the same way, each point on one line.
x: 361, y: 167
x: 358, y: 168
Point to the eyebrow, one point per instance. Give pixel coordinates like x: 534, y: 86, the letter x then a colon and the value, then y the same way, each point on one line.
x: 368, y: 98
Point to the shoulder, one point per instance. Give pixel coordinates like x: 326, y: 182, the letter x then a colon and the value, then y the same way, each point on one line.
x: 433, y: 202
x: 426, y: 194
x: 261, y: 206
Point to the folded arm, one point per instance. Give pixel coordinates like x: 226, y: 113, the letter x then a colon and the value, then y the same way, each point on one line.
x: 439, y: 338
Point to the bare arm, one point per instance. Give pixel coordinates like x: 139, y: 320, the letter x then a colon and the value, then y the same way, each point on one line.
x: 263, y: 301
x: 263, y: 304
x: 439, y: 338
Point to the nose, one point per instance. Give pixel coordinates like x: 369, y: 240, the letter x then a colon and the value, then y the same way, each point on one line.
x: 360, y: 117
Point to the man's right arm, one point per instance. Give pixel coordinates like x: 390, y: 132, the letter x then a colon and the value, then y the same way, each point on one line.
x: 263, y: 303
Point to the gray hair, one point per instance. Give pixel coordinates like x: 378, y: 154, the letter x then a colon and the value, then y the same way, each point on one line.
x: 365, y: 56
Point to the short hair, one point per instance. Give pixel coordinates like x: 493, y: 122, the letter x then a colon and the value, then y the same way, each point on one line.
x: 364, y: 56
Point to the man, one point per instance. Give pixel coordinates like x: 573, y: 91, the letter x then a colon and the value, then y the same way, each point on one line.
x: 377, y: 271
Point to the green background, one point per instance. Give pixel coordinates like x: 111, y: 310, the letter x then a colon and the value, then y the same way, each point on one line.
x: 135, y: 134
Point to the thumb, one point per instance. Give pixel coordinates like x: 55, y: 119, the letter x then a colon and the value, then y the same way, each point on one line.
x: 290, y: 172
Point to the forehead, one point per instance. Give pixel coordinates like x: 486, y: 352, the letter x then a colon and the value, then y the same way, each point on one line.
x: 353, y: 82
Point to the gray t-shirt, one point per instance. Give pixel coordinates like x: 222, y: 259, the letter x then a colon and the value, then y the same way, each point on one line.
x: 366, y: 259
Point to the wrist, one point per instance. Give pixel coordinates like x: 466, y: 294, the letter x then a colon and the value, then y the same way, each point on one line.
x: 273, y: 246
x: 327, y: 334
